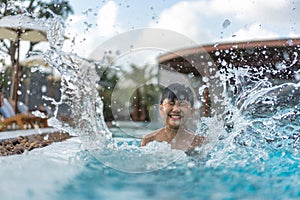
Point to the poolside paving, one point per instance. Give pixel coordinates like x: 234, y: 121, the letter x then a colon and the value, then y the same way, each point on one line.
x: 19, y: 141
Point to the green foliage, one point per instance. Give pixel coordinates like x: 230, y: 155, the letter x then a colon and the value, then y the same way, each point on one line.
x: 5, y: 78
x: 143, y: 97
x: 107, y: 83
x: 36, y: 7
x: 58, y: 7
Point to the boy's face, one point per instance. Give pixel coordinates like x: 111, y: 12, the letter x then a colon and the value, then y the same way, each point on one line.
x: 176, y: 112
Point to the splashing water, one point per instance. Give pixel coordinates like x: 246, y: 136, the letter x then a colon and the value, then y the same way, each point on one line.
x: 263, y: 120
x: 260, y: 119
x: 79, y: 93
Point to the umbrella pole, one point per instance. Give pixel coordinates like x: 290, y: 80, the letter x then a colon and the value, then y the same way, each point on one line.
x: 13, y: 64
x: 16, y: 83
x: 52, y: 84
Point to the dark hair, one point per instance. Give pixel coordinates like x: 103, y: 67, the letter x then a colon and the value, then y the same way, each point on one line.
x: 177, y: 91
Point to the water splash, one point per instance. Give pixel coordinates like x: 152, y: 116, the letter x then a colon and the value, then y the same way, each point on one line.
x: 258, y: 117
x: 79, y: 93
x: 78, y: 89
x: 262, y: 118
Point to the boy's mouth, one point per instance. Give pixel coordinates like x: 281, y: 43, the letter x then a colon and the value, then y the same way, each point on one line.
x: 175, y: 116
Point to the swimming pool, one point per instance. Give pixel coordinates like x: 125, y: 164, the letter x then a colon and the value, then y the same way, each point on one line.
x: 251, y: 154
x: 66, y: 170
x: 258, y: 159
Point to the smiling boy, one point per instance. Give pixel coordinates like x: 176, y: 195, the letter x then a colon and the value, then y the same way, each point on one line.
x: 176, y: 108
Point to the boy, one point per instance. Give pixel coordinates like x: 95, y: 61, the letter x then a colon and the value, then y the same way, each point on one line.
x: 176, y: 107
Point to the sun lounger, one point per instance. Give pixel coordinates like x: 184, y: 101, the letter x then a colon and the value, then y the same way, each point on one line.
x: 23, y: 120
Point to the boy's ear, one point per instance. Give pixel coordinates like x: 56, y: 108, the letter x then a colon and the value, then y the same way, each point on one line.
x: 160, y: 109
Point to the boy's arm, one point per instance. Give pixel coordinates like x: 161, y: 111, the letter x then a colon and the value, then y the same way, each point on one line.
x: 148, y: 138
x: 143, y: 141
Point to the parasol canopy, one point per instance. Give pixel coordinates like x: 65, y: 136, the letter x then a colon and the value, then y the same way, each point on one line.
x: 22, y: 27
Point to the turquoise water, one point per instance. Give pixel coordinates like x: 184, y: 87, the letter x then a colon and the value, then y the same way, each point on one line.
x: 67, y: 171
x: 276, y: 178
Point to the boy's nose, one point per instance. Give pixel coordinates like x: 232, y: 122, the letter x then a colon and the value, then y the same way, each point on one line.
x: 176, y: 106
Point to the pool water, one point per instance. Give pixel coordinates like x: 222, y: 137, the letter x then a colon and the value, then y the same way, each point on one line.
x: 67, y: 171
x: 191, y: 180
x: 188, y: 178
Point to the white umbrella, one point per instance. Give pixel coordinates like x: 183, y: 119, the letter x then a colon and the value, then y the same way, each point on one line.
x: 22, y: 27
x: 17, y: 28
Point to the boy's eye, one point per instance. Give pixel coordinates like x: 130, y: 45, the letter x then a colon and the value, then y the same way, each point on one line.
x: 171, y: 103
x: 183, y: 104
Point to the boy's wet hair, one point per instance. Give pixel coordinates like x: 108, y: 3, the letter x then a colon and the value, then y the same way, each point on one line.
x: 177, y: 91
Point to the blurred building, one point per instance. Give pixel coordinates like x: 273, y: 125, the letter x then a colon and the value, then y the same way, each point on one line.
x: 274, y: 60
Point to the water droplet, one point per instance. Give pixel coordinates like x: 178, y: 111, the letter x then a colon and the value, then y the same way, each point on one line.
x: 44, y: 88
x: 205, y: 79
x: 191, y: 164
x: 290, y: 42
x: 118, y: 52
x: 297, y: 76
x: 226, y: 23
x: 224, y: 63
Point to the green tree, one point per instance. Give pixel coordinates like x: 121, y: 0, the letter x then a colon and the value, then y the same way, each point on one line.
x: 142, y: 98
x: 36, y: 7
x: 108, y: 80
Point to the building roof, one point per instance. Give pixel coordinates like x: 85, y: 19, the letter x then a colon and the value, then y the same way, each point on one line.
x: 261, y: 55
x: 279, y: 43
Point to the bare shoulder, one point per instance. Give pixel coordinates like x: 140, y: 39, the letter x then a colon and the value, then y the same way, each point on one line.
x: 149, y: 137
